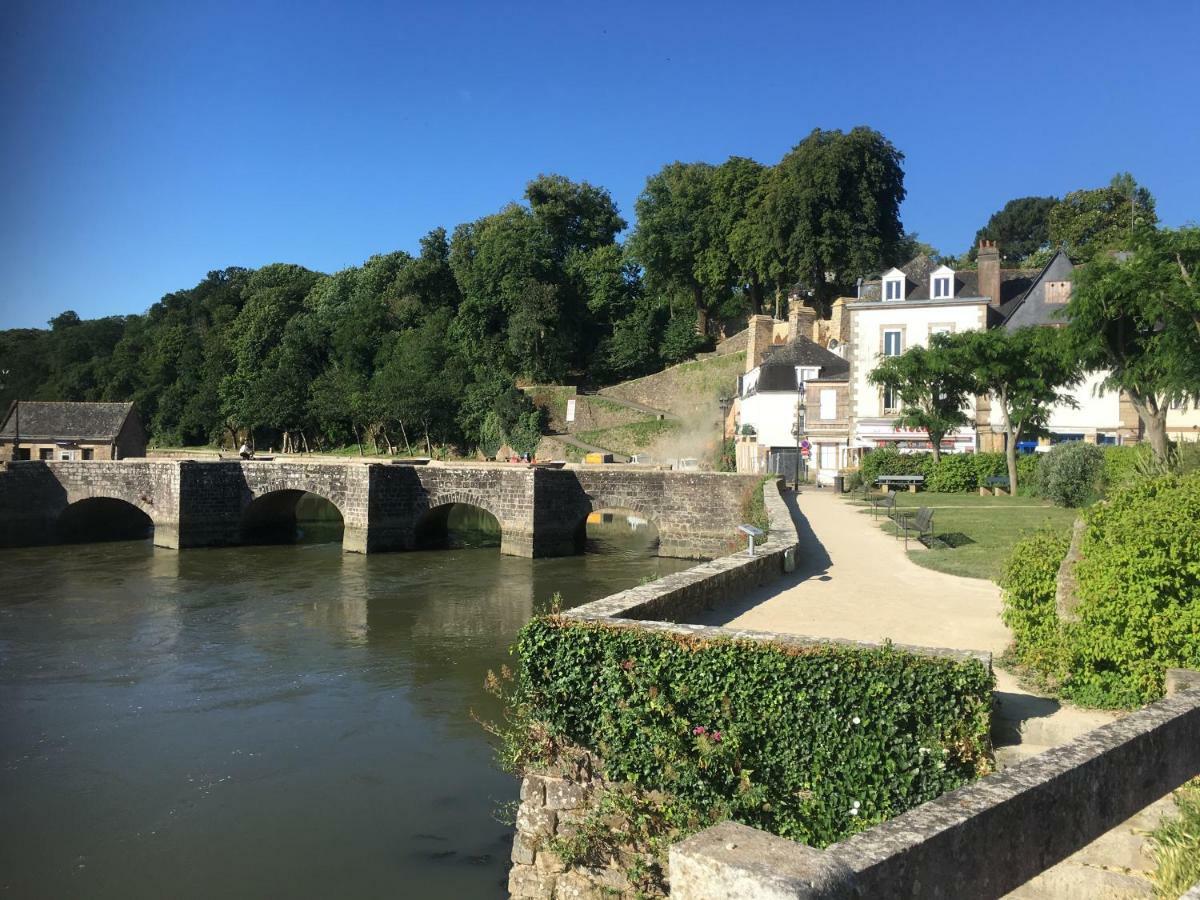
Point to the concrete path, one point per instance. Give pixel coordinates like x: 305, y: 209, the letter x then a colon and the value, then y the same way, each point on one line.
x: 853, y: 581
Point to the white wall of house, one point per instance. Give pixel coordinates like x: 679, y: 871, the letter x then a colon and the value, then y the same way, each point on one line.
x: 1183, y: 422
x: 1097, y: 410
x: 772, y: 415
x: 915, y: 321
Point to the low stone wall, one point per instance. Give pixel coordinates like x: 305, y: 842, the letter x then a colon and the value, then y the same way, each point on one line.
x: 982, y: 840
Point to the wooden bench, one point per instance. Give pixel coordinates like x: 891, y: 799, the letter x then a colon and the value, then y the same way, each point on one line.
x: 996, y: 485
x: 886, y: 502
x: 920, y: 525
x: 912, y: 482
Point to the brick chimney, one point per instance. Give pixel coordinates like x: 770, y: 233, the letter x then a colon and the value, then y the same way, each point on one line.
x: 989, y: 272
x: 760, y: 331
x: 801, y: 318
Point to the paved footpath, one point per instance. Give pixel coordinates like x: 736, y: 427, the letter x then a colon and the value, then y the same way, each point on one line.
x: 854, y: 581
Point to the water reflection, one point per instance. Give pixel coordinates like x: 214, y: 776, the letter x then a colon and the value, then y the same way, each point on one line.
x: 268, y: 720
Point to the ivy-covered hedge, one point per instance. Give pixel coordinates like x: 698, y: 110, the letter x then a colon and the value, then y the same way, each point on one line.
x: 1137, y: 596
x: 812, y: 743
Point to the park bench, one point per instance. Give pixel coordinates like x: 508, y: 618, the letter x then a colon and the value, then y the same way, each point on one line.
x: 886, y: 502
x: 890, y: 482
x: 920, y: 525
x: 995, y: 484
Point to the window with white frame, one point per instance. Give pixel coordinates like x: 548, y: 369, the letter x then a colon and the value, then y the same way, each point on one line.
x: 828, y: 403
x: 941, y: 283
x: 892, y: 342
x: 893, y: 285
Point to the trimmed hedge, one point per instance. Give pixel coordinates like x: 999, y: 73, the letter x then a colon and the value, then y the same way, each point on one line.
x: 812, y: 743
x: 954, y: 473
x: 1121, y: 464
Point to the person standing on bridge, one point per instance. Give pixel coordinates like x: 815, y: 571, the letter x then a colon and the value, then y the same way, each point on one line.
x: 245, y: 452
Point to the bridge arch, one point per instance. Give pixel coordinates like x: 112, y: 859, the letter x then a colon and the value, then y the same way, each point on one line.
x: 99, y: 517
x: 608, y: 511
x: 289, y: 515
x: 455, y: 523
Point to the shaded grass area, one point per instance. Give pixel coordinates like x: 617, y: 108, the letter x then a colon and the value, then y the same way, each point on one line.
x: 628, y: 439
x: 974, y: 535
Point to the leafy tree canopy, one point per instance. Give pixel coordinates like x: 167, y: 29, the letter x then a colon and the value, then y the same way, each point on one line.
x: 1020, y: 228
x: 1089, y: 221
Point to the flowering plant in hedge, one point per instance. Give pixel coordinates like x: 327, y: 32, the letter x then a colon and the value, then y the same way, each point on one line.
x: 811, y: 743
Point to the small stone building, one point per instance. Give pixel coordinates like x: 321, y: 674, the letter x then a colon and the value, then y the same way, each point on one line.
x: 71, y: 431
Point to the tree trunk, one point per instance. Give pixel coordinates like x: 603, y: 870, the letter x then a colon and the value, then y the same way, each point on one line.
x: 1154, y: 420
x: 1010, y: 446
x: 936, y: 441
x: 404, y: 434
x: 778, y: 299
x: 358, y: 440
x: 304, y: 441
x: 701, y: 311
x: 756, y: 295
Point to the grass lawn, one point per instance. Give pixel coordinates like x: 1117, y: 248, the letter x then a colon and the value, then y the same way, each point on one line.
x: 975, y: 534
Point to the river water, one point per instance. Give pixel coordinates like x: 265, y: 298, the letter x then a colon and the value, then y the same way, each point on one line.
x: 268, y: 721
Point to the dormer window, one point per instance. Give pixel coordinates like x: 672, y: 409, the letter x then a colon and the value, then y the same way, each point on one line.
x: 941, y: 283
x: 893, y: 285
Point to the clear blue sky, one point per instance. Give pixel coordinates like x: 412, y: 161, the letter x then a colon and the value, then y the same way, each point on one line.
x: 146, y: 143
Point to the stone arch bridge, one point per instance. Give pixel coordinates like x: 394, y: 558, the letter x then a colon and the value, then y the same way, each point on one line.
x: 541, y: 511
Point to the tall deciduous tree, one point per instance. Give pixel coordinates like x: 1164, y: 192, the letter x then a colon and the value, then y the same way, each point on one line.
x: 674, y: 228
x: 1020, y: 228
x: 1136, y: 315
x: 833, y: 207
x: 1024, y: 373
x: 1114, y: 216
x: 934, y: 385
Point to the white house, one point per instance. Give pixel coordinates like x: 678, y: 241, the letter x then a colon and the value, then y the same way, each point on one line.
x: 797, y: 383
x: 904, y: 309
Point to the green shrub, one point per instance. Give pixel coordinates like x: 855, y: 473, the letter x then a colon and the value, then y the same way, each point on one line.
x: 854, y: 480
x: 988, y: 465
x: 1030, y: 583
x: 1121, y: 464
x: 812, y: 743
x: 954, y: 473
x: 1071, y: 474
x: 1028, y: 468
x: 886, y: 461
x: 1138, y: 591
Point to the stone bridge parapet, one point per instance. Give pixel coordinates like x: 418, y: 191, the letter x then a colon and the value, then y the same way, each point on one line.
x: 541, y: 512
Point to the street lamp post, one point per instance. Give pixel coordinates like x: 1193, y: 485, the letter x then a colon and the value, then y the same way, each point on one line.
x: 798, y: 431
x: 726, y: 405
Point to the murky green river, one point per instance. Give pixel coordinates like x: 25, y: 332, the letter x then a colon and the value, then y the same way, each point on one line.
x: 265, y: 722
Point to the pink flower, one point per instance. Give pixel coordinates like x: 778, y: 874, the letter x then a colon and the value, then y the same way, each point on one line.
x: 699, y: 729
x: 716, y: 736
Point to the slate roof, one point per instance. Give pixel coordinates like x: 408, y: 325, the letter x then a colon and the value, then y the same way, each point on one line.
x: 1031, y: 308
x: 1014, y: 283
x: 66, y: 421
x: 778, y: 371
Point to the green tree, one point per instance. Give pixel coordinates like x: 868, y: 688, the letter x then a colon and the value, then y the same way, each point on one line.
x: 1088, y: 221
x: 1020, y: 228
x: 1137, y: 316
x: 833, y: 207
x: 1024, y: 373
x: 934, y: 385
x: 674, y: 227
